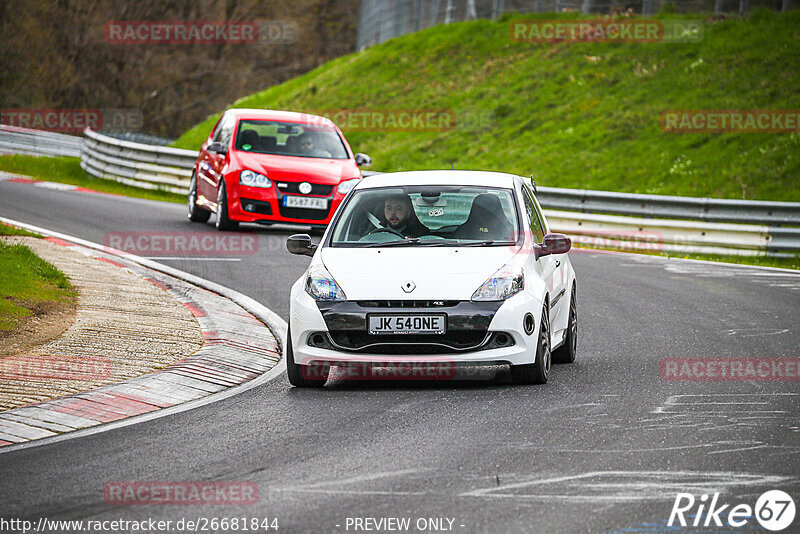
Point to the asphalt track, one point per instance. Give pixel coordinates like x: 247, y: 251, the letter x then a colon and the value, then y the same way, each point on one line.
x: 605, y: 446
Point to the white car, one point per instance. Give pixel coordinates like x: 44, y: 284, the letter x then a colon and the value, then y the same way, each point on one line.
x: 428, y: 267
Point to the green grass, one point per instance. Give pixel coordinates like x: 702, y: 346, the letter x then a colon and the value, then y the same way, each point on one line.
x: 580, y: 115
x: 68, y: 170
x: 12, y: 230
x: 27, y: 282
x: 761, y: 260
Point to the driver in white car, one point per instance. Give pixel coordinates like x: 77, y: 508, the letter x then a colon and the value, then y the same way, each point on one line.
x: 399, y: 215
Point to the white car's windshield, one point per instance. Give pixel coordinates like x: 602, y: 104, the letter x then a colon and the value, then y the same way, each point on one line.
x: 427, y: 216
x: 289, y: 139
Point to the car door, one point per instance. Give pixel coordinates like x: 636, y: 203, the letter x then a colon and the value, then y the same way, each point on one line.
x: 559, y: 301
x: 213, y: 164
x: 546, y: 266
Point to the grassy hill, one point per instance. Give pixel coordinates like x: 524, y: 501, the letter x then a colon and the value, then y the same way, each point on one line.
x: 582, y: 115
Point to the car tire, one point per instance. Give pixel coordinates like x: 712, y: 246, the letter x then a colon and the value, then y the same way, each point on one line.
x: 196, y: 213
x: 223, y: 223
x: 295, y: 371
x: 539, y: 371
x: 566, y: 352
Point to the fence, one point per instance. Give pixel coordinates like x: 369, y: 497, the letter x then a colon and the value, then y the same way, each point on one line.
x: 380, y: 20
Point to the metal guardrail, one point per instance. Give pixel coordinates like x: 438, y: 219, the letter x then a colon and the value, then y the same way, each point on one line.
x: 662, y: 235
x: 601, y: 219
x: 16, y: 140
x: 604, y: 219
x: 669, y: 207
x: 137, y: 164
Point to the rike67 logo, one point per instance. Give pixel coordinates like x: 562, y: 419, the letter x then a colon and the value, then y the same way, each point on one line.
x: 774, y: 510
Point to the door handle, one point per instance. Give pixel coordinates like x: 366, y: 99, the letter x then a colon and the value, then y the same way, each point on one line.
x: 558, y: 263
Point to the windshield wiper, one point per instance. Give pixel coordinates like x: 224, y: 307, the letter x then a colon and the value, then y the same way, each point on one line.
x: 440, y: 243
x: 487, y: 243
x: 409, y: 241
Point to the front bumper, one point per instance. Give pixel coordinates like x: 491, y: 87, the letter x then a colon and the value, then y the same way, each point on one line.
x: 477, y: 332
x: 258, y: 205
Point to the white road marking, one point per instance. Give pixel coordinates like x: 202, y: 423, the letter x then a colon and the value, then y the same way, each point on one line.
x: 190, y: 258
x: 625, y: 486
x: 319, y: 487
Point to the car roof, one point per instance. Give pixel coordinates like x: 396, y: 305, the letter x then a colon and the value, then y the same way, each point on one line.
x: 476, y: 178
x: 276, y: 115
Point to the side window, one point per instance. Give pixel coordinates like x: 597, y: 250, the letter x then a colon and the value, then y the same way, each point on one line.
x: 218, y: 132
x: 536, y: 224
x: 224, y: 130
x: 542, y: 219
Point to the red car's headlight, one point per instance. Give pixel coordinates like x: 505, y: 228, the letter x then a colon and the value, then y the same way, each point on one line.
x: 347, y: 186
x: 253, y: 179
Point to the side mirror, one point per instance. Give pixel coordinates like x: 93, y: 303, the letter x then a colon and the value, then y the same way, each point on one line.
x: 555, y: 244
x: 217, y: 148
x: 362, y: 160
x: 300, y: 244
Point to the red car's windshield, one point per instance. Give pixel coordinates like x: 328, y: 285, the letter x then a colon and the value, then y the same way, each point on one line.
x: 289, y: 139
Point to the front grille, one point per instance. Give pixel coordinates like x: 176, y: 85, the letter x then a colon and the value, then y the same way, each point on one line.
x: 450, y: 342
x: 407, y: 303
x: 316, y: 189
x: 303, y: 213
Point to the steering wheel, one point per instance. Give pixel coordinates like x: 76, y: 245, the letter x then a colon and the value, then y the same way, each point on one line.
x: 383, y: 229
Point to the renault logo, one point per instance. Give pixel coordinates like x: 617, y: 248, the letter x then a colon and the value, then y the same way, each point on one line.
x: 305, y: 188
x: 409, y: 286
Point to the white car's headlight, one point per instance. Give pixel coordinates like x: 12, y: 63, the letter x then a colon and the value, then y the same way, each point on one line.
x: 505, y: 283
x: 347, y: 186
x: 253, y: 179
x: 321, y: 285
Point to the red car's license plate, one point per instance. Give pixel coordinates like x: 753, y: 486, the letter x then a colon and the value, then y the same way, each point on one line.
x: 306, y: 202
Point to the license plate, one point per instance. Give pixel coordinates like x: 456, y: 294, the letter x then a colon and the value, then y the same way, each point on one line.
x: 406, y: 324
x: 306, y: 202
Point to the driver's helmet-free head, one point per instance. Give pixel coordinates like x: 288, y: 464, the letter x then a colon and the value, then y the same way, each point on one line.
x: 391, y: 202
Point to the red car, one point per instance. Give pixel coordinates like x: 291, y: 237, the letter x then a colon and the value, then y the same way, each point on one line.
x: 266, y: 167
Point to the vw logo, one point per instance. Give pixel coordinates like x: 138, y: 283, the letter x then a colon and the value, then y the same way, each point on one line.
x: 305, y: 188
x: 409, y: 286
